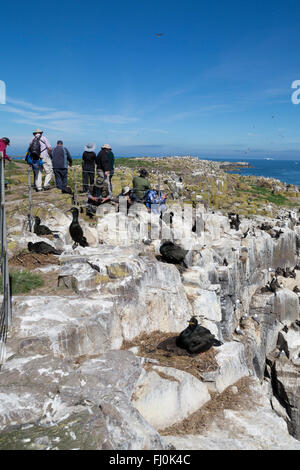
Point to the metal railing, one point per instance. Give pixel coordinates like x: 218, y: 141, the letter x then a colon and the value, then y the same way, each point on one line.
x: 6, y: 308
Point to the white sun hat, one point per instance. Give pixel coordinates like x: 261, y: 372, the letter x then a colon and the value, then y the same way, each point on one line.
x: 89, y: 147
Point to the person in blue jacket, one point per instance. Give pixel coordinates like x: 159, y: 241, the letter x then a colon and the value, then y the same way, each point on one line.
x: 61, y: 159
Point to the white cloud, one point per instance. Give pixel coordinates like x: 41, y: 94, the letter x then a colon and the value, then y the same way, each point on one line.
x: 26, y: 104
x: 67, y: 121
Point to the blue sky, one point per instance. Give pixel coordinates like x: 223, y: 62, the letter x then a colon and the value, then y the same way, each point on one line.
x: 217, y: 83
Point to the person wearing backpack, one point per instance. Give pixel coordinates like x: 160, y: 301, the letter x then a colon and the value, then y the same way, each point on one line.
x: 38, y: 156
x: 155, y: 201
x: 61, y: 158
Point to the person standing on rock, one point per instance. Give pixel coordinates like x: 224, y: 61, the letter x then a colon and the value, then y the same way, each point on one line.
x: 38, y: 156
x: 88, y: 167
x: 61, y: 159
x: 105, y: 162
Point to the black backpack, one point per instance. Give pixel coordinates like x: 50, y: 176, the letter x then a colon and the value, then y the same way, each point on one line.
x: 35, y: 148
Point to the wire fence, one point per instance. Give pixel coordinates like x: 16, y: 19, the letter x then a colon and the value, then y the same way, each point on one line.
x: 6, y: 308
x: 88, y: 180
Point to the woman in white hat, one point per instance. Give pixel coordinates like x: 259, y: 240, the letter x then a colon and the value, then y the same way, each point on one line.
x: 88, y: 167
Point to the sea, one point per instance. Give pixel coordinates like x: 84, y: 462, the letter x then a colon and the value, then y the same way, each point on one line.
x: 287, y: 171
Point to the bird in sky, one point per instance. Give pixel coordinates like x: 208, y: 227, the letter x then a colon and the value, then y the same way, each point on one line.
x: 159, y: 35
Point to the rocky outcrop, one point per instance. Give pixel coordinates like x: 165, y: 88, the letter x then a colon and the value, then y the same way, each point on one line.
x: 165, y: 396
x: 51, y: 403
x: 67, y: 383
x: 253, y: 425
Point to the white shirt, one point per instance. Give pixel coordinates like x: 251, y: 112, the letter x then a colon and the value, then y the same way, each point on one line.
x: 45, y: 145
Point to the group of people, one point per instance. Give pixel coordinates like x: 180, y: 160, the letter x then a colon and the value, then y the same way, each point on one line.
x: 104, y: 163
x: 42, y: 157
x: 141, y: 192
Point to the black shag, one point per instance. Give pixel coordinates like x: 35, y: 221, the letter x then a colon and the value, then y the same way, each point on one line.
x: 265, y: 289
x: 196, y: 339
x: 277, y: 233
x: 234, y: 221
x: 282, y: 344
x: 76, y: 231
x: 274, y: 285
x: 41, y: 229
x: 265, y: 227
x: 279, y: 271
x: 290, y: 273
x: 172, y: 253
x: 44, y: 248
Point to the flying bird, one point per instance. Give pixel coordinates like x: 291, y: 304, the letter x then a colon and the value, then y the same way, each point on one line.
x: 159, y: 35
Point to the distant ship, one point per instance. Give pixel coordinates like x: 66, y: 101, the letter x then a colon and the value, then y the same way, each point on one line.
x: 267, y: 158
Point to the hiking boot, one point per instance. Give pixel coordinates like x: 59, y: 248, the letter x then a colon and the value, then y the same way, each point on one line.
x: 67, y: 190
x: 46, y: 188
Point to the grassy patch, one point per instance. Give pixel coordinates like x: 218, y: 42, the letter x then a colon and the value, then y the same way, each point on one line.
x: 10, y: 166
x: 267, y: 194
x: 23, y: 282
x: 133, y: 162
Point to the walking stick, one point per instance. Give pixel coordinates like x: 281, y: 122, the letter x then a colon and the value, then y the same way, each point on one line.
x: 30, y: 217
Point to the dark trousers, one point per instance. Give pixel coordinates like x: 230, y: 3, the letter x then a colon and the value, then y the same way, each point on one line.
x: 88, y: 177
x: 61, y: 177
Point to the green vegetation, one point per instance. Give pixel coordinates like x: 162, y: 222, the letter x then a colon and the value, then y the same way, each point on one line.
x: 23, y: 282
x: 268, y: 195
x: 134, y: 163
x: 20, y: 161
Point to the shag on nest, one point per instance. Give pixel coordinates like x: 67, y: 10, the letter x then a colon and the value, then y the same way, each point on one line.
x: 44, y: 248
x: 196, y: 339
x: 41, y: 229
x: 76, y: 231
x: 172, y: 253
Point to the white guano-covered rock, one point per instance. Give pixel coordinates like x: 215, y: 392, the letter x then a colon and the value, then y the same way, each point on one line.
x: 255, y: 426
x: 165, y: 396
x: 232, y: 367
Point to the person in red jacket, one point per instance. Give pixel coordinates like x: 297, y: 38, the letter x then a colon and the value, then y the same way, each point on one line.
x: 4, y: 142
